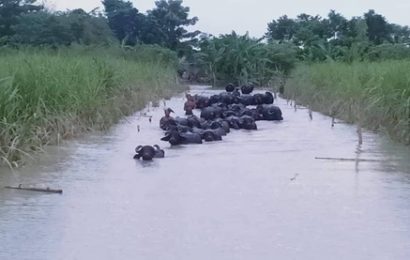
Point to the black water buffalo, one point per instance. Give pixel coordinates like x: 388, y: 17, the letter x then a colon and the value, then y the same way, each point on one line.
x: 247, y: 100
x: 201, y: 101
x: 252, y: 112
x: 210, y: 135
x: 228, y: 98
x: 159, y: 153
x: 193, y: 121
x: 248, y: 123
x: 179, y: 128
x: 237, y: 108
x: 214, y: 99
x: 218, y: 123
x: 175, y: 138
x: 270, y: 112
x: 210, y: 113
x: 146, y: 152
x: 222, y: 123
x: 230, y: 87
x: 233, y: 122
x: 259, y: 98
x: 268, y: 98
x: 246, y: 89
x: 181, y: 121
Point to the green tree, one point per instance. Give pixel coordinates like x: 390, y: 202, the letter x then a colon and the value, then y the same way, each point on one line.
x: 171, y: 17
x: 378, y: 29
x: 42, y: 28
x: 337, y: 24
x: 241, y: 59
x: 61, y: 28
x: 282, y: 29
x: 400, y: 34
x: 10, y: 10
x: 123, y: 20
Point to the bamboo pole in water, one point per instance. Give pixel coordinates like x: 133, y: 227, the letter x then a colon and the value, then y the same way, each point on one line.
x: 360, y: 134
x: 47, y: 190
x: 347, y: 159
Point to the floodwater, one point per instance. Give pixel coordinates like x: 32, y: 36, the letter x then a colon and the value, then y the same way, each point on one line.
x: 255, y: 195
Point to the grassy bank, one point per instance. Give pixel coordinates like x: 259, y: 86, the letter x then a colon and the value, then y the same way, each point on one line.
x: 47, y: 96
x: 375, y: 95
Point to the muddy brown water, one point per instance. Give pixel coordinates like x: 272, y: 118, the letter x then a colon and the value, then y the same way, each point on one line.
x: 255, y: 195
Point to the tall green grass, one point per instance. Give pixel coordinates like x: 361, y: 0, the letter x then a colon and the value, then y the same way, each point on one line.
x: 46, y: 96
x: 375, y: 95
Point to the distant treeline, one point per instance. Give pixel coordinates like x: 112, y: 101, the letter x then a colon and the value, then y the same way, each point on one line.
x: 306, y: 38
x: 27, y: 22
x: 338, y: 38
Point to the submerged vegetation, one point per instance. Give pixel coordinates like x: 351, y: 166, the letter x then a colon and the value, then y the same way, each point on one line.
x: 373, y: 94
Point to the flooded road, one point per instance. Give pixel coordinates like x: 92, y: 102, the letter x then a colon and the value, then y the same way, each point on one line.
x: 255, y: 195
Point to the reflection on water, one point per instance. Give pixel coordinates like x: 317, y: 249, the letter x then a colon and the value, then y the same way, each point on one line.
x: 255, y: 195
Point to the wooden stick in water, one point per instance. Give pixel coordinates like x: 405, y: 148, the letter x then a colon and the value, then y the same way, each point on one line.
x: 47, y: 190
x: 347, y: 159
x: 360, y: 134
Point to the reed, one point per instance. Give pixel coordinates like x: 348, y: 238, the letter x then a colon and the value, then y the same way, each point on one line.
x: 374, y: 95
x: 49, y: 95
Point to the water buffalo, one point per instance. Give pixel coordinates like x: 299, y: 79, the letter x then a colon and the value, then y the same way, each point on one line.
x: 145, y: 152
x: 175, y: 138
x: 201, y: 101
x: 247, y: 100
x: 259, y: 99
x: 246, y: 89
x: 228, y: 98
x: 252, y: 112
x: 214, y: 99
x: 210, y: 113
x: 230, y: 87
x: 179, y: 128
x: 193, y: 121
x: 223, y: 123
x: 234, y: 122
x: 181, y: 121
x: 219, y: 127
x: 159, y: 153
x: 248, y: 123
x: 237, y: 108
x: 210, y: 135
x: 270, y: 112
x: 268, y: 98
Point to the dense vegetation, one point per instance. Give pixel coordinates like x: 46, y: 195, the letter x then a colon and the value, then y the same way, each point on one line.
x: 354, y: 69
x: 243, y: 60
x: 337, y: 38
x: 373, y: 94
x: 63, y: 73
x: 26, y: 22
x: 49, y: 96
x: 310, y: 39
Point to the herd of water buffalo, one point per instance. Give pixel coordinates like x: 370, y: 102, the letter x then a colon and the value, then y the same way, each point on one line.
x: 219, y: 114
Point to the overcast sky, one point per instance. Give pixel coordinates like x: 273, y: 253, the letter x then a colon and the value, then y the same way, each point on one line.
x: 223, y: 16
